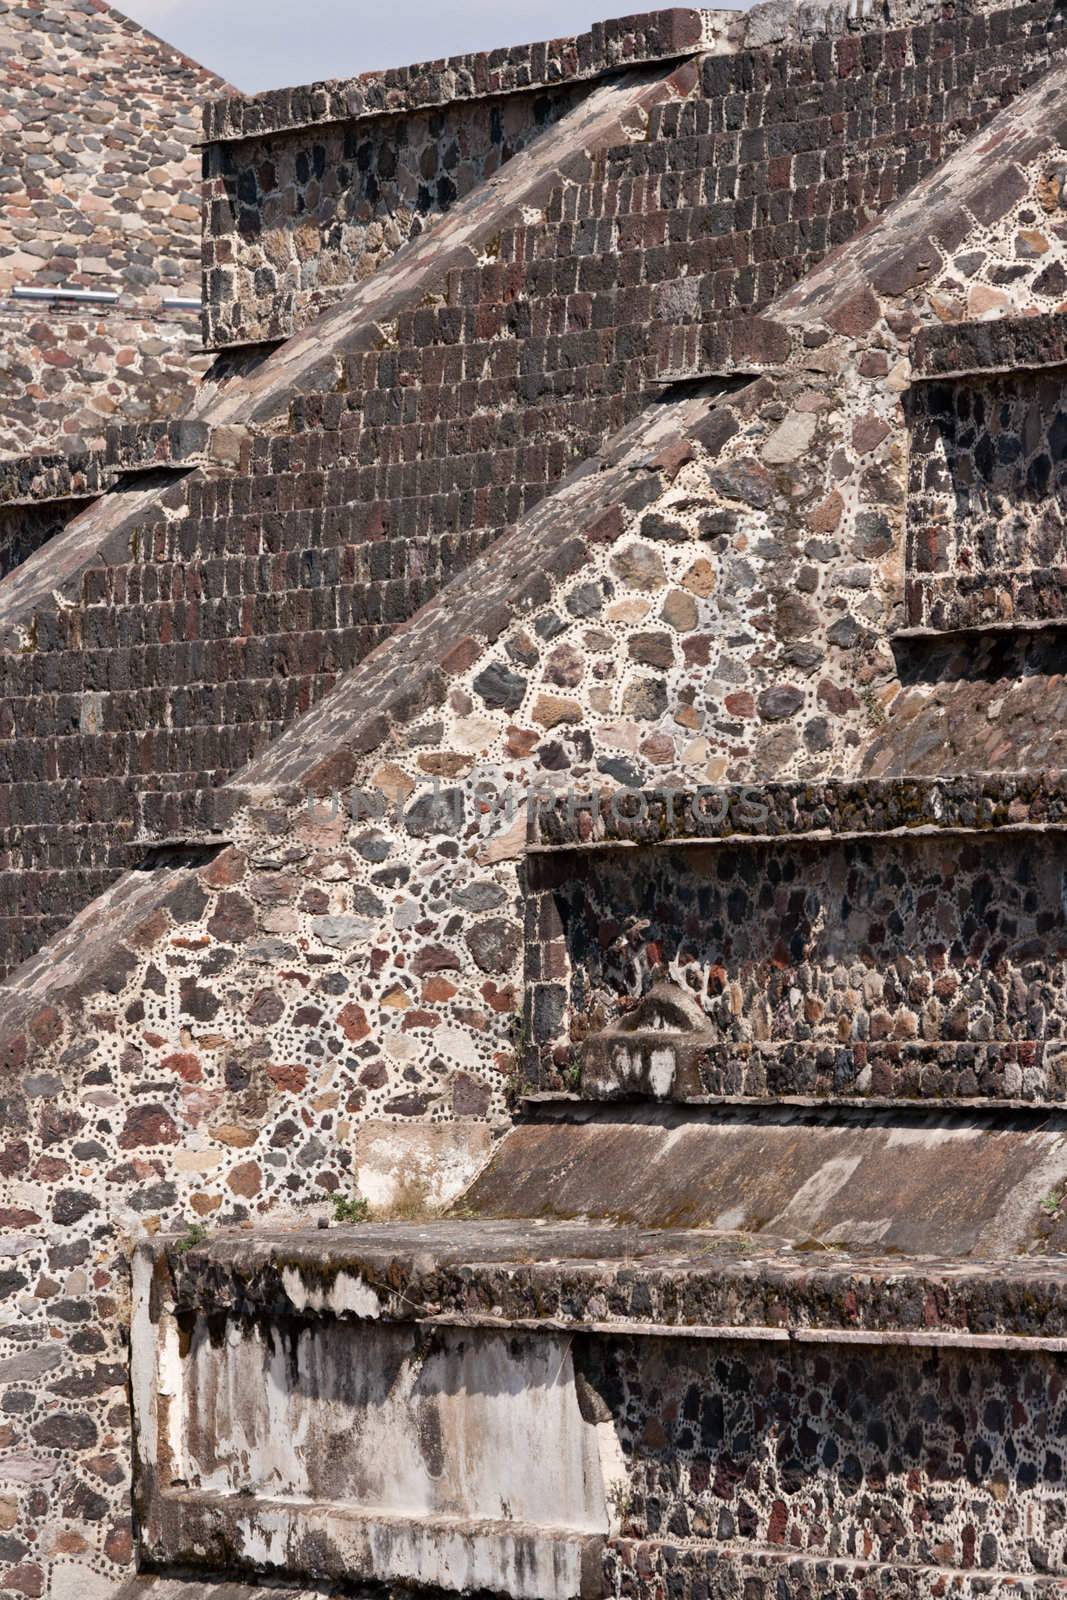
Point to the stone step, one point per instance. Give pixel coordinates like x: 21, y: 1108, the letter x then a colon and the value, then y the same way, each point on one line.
x: 510, y: 1405
x: 154, y: 1587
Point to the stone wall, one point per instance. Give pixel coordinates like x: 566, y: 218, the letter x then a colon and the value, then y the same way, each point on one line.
x: 309, y: 190
x: 294, y: 218
x: 986, y: 507
x: 645, y: 1445
x: 784, y: 154
x: 917, y: 1458
x: 205, y: 1042
x: 68, y: 374
x: 439, y: 401
x: 26, y: 528
x: 331, y: 942
x: 912, y: 968
x: 101, y: 192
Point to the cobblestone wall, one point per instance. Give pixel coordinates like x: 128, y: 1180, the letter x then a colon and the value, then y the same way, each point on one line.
x: 713, y: 603
x: 211, y: 1051
x: 986, y: 507
x: 448, y: 397
x: 67, y: 375
x: 917, y: 1458
x: 884, y: 966
x: 101, y: 192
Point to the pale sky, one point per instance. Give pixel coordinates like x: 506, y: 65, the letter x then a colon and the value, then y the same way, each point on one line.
x: 268, y: 44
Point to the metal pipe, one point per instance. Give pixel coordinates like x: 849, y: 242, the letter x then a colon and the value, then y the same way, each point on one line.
x: 179, y: 304
x: 104, y: 297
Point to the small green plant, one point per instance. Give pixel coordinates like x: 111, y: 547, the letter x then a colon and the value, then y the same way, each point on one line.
x: 518, y: 1037
x: 572, y: 1073
x: 516, y: 1087
x: 350, y: 1208
x: 194, y: 1234
x: 620, y: 1498
x: 1051, y: 1203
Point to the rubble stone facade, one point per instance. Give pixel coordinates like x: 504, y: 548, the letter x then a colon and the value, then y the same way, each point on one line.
x: 101, y: 192
x: 565, y: 749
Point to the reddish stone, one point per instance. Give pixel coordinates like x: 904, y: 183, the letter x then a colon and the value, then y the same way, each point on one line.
x: 68, y: 1543
x: 419, y: 1019
x: 291, y: 1078
x: 520, y: 741
x: 463, y: 654
x: 435, y: 958
x: 697, y: 649
x: 437, y: 990
x: 26, y: 1579
x: 49, y: 1169
x: 836, y: 699
x: 118, y: 1546
x: 352, y: 1021
x: 502, y: 1000
x: 874, y: 363
x: 227, y: 869
x: 246, y: 1180
x: 14, y: 1158
x: 857, y: 315
x: 606, y: 528
x: 47, y: 1026
x: 741, y: 704
x: 827, y: 516
x: 17, y: 1217
x: 868, y: 433
x: 233, y: 920
x: 671, y: 459
x: 185, y: 1064
x: 146, y: 1125
x: 150, y: 931
x: 659, y: 750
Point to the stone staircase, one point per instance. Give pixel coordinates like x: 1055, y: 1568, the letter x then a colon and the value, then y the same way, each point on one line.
x: 769, y: 1297
x: 469, y: 374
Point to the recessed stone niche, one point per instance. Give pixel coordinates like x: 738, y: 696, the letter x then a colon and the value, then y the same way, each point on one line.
x: 987, y: 526
x: 921, y: 966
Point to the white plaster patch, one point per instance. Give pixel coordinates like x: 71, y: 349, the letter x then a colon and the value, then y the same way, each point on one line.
x: 347, y: 1294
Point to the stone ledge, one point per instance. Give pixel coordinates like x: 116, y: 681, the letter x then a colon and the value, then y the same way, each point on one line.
x: 604, y: 1278
x: 130, y: 448
x: 829, y: 810
x: 979, y: 602
x: 965, y: 349
x: 739, y: 346
x: 335, y: 1543
x: 623, y: 42
x: 1006, y: 1073
x: 149, y: 1586
x: 702, y: 1570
